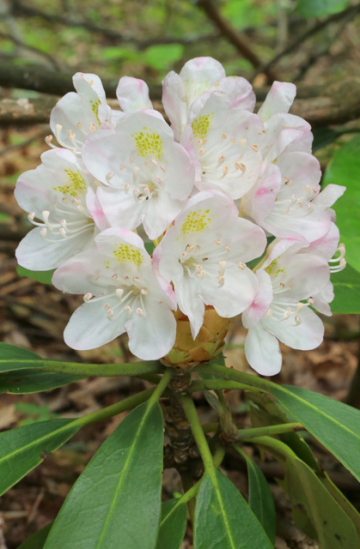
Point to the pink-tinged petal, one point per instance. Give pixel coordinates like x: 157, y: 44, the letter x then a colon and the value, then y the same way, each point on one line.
x: 260, y: 305
x: 281, y: 131
x: 300, y: 169
x: 305, y: 336
x: 152, y: 336
x: 100, y: 156
x: 259, y: 202
x: 78, y: 275
x: 200, y: 75
x: 133, y: 94
x: 174, y: 102
x: 239, y: 91
x: 262, y: 351
x: 95, y: 210
x: 278, y: 100
x: 305, y: 226
x: 180, y: 173
x: 326, y: 246
x: 120, y: 209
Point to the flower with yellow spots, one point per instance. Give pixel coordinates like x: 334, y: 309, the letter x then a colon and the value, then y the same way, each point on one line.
x: 146, y: 176
x: 204, y: 256
x: 121, y: 294
x: 62, y: 205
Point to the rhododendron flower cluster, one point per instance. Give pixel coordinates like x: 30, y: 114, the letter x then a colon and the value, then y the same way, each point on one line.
x: 222, y: 209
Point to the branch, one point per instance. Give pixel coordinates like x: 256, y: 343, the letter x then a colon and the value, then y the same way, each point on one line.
x: 232, y: 36
x: 110, y: 34
x: 43, y: 54
x: 317, y: 27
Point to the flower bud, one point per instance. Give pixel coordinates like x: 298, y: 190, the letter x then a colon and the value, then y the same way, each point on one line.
x: 209, y: 342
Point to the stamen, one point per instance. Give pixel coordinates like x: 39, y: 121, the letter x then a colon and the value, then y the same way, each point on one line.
x: 139, y: 312
x: 109, y: 176
x: 122, y: 166
x: 222, y: 267
x: 87, y: 297
x: 218, y: 242
x: 242, y: 266
x: 223, y: 135
x: 119, y: 293
x: 255, y: 148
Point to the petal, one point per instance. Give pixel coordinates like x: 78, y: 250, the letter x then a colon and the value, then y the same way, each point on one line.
x: 200, y: 75
x: 121, y: 209
x: 152, y: 336
x: 262, y: 351
x: 71, y: 114
x: 37, y: 254
x: 326, y: 246
x: 89, y: 327
x: 78, y: 274
x: 159, y: 213
x: 95, y: 210
x: 264, y: 296
x: 239, y: 91
x: 322, y: 299
x: 174, y: 101
x: 236, y: 294
x: 329, y: 196
x: 278, y: 100
x: 100, y: 154
x: 91, y: 91
x: 179, y: 175
x: 282, y: 130
x: 259, y: 202
x: 187, y: 293
x: 133, y: 94
x: 304, y: 337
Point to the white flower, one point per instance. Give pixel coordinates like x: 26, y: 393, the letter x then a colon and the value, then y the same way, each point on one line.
x: 278, y: 312
x: 204, y: 254
x: 198, y: 76
x: 147, y: 176
x: 77, y: 115
x: 133, y: 94
x: 122, y: 294
x: 224, y: 143
x: 283, y: 200
x: 58, y: 193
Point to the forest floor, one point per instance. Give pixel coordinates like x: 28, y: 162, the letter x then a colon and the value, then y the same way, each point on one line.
x: 33, y: 316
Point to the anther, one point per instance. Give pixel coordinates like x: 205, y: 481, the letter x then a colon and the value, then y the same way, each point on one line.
x: 48, y: 139
x: 127, y: 187
x: 162, y: 167
x: 110, y: 314
x: 109, y: 176
x: 136, y: 170
x: 233, y: 140
x: 242, y: 266
x: 132, y: 158
x: 43, y: 232
x: 87, y: 297
x: 128, y: 309
x: 62, y: 232
x: 136, y: 279
x: 297, y: 320
x: 114, y: 276
x: 198, y: 269
x: 310, y: 301
x: 218, y: 242
x: 139, y: 312
x: 221, y: 280
x: 136, y: 193
x: 80, y: 208
x: 31, y: 216
x: 269, y: 313
x: 79, y: 124
x: 223, y: 135
x: 107, y: 306
x: 201, y: 152
x: 122, y: 166
x: 92, y: 127
x: 119, y: 293
x: 202, y: 274
x: 225, y: 171
x: 154, y: 161
x: 255, y: 148
x: 222, y: 267
x: 282, y: 285
x: 143, y: 291
x: 227, y: 248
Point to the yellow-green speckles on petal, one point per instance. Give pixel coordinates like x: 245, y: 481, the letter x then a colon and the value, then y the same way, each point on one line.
x: 271, y: 269
x: 200, y: 125
x: 196, y: 222
x: 76, y: 185
x: 126, y: 253
x: 149, y: 144
x: 95, y: 109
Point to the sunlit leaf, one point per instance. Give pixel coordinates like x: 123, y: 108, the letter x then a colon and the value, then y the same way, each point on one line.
x: 347, y: 291
x: 317, y: 8
x: 40, y: 276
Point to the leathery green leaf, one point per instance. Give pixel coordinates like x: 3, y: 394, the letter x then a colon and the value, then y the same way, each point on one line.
x: 260, y: 498
x: 24, y: 448
x: 37, y: 540
x: 172, y: 525
x: 347, y: 291
x: 224, y: 519
x: 117, y: 499
x: 334, y: 424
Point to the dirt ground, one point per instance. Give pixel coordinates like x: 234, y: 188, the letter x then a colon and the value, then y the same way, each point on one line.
x: 34, y: 316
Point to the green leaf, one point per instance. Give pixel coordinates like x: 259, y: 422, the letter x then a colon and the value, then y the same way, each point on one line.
x: 317, y: 8
x: 344, y: 169
x: 334, y: 528
x: 40, y: 276
x: 149, y: 247
x: 22, y: 371
x: 37, y: 541
x: 118, y: 496
x: 347, y: 291
x: 342, y: 501
x: 161, y: 57
x: 172, y: 525
x: 24, y: 448
x: 334, y: 424
x: 260, y: 498
x: 223, y: 518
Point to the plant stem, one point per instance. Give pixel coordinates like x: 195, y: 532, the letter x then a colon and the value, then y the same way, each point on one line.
x: 115, y: 409
x: 218, y: 384
x: 152, y: 395
x: 235, y: 375
x: 101, y: 370
x: 187, y: 482
x: 276, y: 445
x: 199, y: 436
x: 248, y: 434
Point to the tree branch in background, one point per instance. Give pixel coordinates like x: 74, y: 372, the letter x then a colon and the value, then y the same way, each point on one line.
x: 317, y: 27
x: 41, y: 53
x: 232, y: 36
x: 19, y: 9
x: 334, y: 103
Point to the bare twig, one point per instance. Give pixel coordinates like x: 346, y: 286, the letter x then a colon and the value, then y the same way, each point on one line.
x: 231, y: 35
x: 317, y: 27
x: 33, y: 77
x: 41, y: 53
